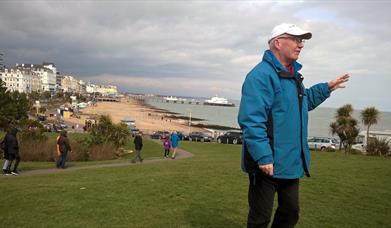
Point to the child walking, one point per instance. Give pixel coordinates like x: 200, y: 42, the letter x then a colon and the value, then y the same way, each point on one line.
x: 167, y: 146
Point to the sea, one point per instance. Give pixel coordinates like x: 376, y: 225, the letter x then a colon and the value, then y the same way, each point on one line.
x: 318, y: 124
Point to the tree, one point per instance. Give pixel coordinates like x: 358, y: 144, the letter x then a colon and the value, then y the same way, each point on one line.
x: 369, y: 116
x: 107, y: 132
x: 345, y: 127
x: 5, y: 102
x: 20, y: 105
x: 46, y: 95
x: 13, y: 107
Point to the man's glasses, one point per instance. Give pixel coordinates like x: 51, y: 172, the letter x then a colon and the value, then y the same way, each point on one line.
x: 298, y: 40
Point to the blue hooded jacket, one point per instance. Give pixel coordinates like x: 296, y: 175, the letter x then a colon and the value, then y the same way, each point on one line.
x: 274, y: 128
x: 174, y: 140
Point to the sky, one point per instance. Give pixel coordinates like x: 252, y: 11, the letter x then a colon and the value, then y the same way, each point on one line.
x: 201, y: 48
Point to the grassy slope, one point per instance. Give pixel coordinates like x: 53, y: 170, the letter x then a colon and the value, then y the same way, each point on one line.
x: 151, y: 150
x: 207, y: 190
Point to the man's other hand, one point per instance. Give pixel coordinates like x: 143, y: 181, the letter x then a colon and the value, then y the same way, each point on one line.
x: 267, y: 169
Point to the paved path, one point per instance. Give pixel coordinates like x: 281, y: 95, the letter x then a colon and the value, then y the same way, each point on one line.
x: 181, y: 154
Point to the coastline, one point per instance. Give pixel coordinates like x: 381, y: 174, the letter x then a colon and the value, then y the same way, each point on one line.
x: 148, y: 118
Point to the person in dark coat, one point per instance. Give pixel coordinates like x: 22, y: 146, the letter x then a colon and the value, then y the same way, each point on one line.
x: 64, y: 147
x: 6, y: 155
x: 12, y: 148
x: 138, y: 145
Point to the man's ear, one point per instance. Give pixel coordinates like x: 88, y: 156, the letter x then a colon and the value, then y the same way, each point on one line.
x: 277, y: 44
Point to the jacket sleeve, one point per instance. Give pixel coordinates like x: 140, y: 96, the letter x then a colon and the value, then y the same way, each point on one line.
x: 317, y: 94
x: 58, y: 146
x: 67, y: 144
x: 257, y: 99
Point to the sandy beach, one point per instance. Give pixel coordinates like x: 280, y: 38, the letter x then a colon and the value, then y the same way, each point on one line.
x: 147, y: 119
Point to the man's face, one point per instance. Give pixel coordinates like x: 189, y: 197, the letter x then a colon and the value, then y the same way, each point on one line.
x: 290, y: 46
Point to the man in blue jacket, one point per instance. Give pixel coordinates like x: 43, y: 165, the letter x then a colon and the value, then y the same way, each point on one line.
x: 273, y: 115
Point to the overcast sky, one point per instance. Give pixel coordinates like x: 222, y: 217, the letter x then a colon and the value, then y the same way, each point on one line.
x: 202, y: 48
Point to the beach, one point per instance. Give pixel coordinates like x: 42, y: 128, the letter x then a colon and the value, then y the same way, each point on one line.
x: 147, y: 118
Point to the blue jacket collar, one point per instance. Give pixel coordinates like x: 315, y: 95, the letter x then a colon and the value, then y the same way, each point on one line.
x: 272, y: 60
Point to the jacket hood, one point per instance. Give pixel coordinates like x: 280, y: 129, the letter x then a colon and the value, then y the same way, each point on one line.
x: 14, y: 131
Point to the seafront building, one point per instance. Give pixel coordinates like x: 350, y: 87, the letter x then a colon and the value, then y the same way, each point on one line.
x: 27, y: 78
x: 105, y: 90
x: 72, y: 85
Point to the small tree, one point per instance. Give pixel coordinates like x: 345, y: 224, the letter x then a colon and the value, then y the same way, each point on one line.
x: 369, y: 116
x: 345, y: 127
x: 107, y: 132
x: 13, y: 106
x: 46, y: 95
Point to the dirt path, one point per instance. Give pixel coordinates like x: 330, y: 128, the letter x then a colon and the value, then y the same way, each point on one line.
x: 181, y: 154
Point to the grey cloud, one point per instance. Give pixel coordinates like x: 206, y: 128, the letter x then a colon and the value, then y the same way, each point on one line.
x: 211, y: 45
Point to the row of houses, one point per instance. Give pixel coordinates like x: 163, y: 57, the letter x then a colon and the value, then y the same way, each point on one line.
x: 27, y: 78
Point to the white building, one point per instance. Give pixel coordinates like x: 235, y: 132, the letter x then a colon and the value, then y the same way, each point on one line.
x: 72, y: 85
x: 48, y: 74
x: 27, y: 78
x: 107, y: 90
x: 91, y: 88
x: 21, y: 79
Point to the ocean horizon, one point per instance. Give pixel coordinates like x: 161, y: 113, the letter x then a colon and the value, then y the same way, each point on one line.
x: 318, y: 123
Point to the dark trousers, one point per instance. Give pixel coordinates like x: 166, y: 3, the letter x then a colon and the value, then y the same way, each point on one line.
x: 12, y: 157
x: 261, y: 193
x: 166, y: 152
x: 137, y: 156
x: 62, y: 159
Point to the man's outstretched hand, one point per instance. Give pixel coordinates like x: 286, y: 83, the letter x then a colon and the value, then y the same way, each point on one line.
x: 338, y: 82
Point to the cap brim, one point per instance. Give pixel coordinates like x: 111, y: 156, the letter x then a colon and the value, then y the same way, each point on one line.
x: 306, y: 36
x: 303, y: 34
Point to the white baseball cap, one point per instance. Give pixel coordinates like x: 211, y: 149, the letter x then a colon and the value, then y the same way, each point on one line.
x: 290, y: 29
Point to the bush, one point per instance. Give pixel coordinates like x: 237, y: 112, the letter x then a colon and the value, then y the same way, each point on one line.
x: 328, y: 149
x: 378, y: 147
x: 102, y: 143
x: 37, y: 150
x: 105, y: 151
x: 32, y: 149
x: 107, y: 132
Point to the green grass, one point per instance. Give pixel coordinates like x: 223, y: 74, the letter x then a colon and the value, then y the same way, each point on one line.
x: 207, y: 190
x: 151, y: 150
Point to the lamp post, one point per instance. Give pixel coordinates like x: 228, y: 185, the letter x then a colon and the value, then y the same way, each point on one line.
x: 1, y: 61
x: 189, y: 121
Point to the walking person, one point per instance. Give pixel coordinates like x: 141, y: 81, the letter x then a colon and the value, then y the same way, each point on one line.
x: 174, y: 138
x: 166, y: 146
x: 3, y: 146
x: 12, y: 148
x: 273, y: 115
x: 138, y: 145
x: 63, y: 147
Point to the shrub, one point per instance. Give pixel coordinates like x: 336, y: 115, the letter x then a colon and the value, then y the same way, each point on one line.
x: 45, y: 150
x: 104, y: 151
x: 107, y: 132
x: 328, y: 149
x: 378, y: 147
x: 37, y: 150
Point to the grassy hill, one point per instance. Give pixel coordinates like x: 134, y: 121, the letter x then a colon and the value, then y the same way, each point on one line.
x: 207, y: 190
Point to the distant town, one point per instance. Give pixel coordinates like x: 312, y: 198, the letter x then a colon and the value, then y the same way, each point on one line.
x: 27, y: 78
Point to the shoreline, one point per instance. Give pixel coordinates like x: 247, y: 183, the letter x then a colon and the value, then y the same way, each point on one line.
x: 147, y: 117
